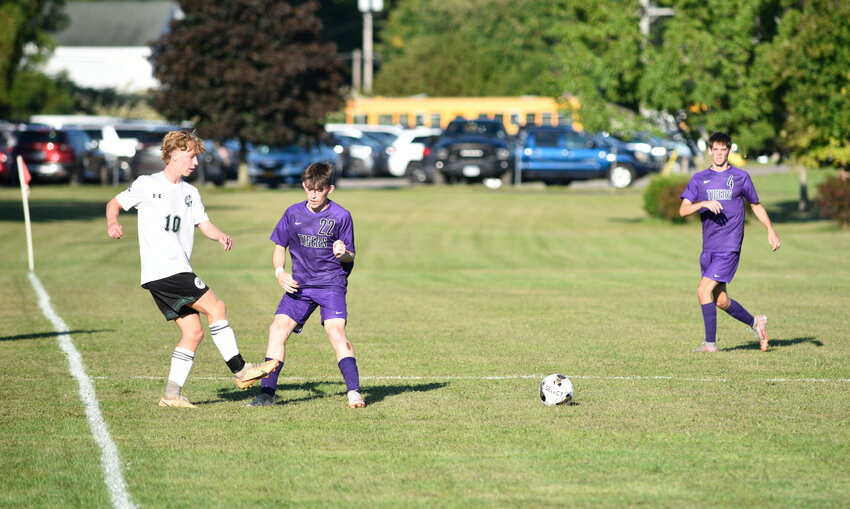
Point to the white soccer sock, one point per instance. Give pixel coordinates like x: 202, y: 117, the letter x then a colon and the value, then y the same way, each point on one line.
x: 224, y: 339
x: 181, y: 365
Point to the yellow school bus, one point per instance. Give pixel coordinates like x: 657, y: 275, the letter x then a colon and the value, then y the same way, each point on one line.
x: 414, y: 111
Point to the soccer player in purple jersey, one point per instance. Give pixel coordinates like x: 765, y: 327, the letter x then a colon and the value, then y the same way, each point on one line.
x: 319, y: 234
x: 718, y: 193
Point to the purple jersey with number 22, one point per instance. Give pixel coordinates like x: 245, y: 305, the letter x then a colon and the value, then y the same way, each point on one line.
x: 723, y: 231
x: 310, y: 237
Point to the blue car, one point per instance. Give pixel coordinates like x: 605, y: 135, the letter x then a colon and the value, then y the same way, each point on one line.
x: 560, y: 155
x: 283, y: 165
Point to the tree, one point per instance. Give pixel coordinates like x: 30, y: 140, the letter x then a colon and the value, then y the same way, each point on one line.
x: 24, y: 22
x: 467, y: 48
x: 250, y: 69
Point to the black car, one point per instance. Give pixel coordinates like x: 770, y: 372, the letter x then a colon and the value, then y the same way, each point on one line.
x: 472, y: 151
x: 148, y: 159
x: 59, y: 155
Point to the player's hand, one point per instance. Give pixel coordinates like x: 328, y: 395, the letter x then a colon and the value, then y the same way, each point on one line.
x: 226, y: 241
x: 288, y: 284
x: 114, y: 230
x: 713, y: 205
x: 773, y: 240
x: 339, y: 248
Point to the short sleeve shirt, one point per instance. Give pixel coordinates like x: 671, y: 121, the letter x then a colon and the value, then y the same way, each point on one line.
x: 310, y: 237
x: 168, y: 214
x: 723, y: 232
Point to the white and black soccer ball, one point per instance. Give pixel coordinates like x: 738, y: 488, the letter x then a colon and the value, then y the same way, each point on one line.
x: 556, y: 389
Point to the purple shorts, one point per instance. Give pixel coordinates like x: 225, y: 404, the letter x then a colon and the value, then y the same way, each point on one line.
x: 720, y: 266
x: 301, y: 304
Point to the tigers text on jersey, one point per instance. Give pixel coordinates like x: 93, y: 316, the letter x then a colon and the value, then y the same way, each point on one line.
x: 310, y: 237
x: 168, y: 214
x: 723, y: 231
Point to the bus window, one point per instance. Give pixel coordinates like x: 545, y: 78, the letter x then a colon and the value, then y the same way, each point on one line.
x: 563, y: 119
x: 546, y: 118
x: 385, y: 119
x: 515, y: 119
x: 435, y: 120
x: 483, y: 116
x: 499, y: 117
x: 404, y: 120
x: 419, y: 119
x: 531, y: 119
x: 359, y: 119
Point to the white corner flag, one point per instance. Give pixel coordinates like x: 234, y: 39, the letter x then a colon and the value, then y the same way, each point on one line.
x: 24, y: 178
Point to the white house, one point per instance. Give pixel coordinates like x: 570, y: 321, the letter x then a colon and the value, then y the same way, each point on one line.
x: 107, y: 44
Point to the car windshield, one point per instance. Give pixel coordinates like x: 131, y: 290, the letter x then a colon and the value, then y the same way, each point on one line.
x: 41, y: 136
x: 481, y: 128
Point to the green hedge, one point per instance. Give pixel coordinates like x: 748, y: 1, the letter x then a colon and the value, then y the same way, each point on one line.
x: 661, y: 198
x: 833, y: 199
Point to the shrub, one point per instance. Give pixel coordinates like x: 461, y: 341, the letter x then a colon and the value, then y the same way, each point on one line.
x: 661, y: 198
x: 833, y: 200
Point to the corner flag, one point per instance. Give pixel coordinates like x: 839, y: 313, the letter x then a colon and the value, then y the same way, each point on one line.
x: 24, y: 177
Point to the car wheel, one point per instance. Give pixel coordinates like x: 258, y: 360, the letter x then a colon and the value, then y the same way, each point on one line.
x: 416, y: 174
x: 621, y: 176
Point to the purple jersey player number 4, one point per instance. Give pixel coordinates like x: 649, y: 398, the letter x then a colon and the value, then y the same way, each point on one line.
x: 319, y: 235
x: 718, y: 193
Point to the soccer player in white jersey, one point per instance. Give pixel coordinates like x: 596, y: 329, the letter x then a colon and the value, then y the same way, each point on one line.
x: 169, y: 209
x: 718, y: 193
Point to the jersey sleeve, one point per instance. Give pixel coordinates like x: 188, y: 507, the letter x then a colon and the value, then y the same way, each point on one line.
x: 691, y: 193
x: 749, y: 190
x: 199, y: 213
x: 280, y: 234
x: 346, y: 232
x: 133, y: 195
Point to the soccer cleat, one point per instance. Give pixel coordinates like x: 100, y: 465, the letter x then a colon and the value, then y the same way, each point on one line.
x: 175, y: 401
x: 759, y: 327
x: 263, y: 400
x: 355, y: 400
x: 706, y: 347
x: 251, y: 372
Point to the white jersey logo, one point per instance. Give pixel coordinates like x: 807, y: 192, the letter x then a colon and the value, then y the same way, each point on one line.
x: 200, y: 284
x: 188, y: 200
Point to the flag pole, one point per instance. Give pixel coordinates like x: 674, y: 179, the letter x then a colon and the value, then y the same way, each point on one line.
x: 24, y: 196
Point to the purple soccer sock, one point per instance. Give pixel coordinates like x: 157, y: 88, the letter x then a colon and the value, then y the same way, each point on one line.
x: 268, y: 385
x: 738, y: 312
x: 348, y: 368
x: 709, y: 316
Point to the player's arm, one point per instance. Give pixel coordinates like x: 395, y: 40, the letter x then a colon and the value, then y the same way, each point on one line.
x: 212, y: 232
x: 342, y: 254
x: 288, y: 284
x: 761, y: 214
x: 687, y: 208
x: 113, y: 227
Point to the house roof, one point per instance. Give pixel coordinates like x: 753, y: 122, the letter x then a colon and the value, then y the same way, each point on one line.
x: 116, y: 24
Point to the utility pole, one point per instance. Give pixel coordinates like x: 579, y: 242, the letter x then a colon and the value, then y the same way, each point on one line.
x: 648, y: 14
x: 367, y: 7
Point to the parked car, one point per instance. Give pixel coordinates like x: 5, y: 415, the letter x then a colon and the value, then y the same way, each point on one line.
x: 651, y: 149
x: 7, y: 166
x: 59, y: 154
x: 408, y: 149
x: 386, y: 134
x: 117, y: 151
x: 561, y: 155
x: 148, y: 159
x: 367, y: 155
x: 472, y: 150
x: 284, y: 165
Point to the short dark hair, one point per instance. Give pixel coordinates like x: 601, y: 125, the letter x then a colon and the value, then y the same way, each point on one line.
x: 722, y: 138
x: 318, y: 176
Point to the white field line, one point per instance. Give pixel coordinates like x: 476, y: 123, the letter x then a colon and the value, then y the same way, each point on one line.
x: 109, y: 453
x: 510, y: 377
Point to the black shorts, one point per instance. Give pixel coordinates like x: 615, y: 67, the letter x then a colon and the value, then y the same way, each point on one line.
x: 173, y: 294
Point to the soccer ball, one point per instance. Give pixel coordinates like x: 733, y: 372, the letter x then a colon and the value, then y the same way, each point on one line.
x: 556, y: 389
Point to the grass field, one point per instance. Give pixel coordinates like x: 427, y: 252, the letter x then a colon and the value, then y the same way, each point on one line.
x: 462, y: 298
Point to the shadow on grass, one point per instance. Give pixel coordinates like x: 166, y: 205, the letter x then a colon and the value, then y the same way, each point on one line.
x: 48, y: 211
x: 787, y: 212
x: 776, y: 343
x: 52, y: 334
x: 315, y: 390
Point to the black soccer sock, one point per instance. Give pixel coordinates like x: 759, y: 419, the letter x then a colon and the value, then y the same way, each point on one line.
x: 236, y: 363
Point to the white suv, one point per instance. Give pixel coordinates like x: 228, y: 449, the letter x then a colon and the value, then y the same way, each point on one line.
x: 408, y: 148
